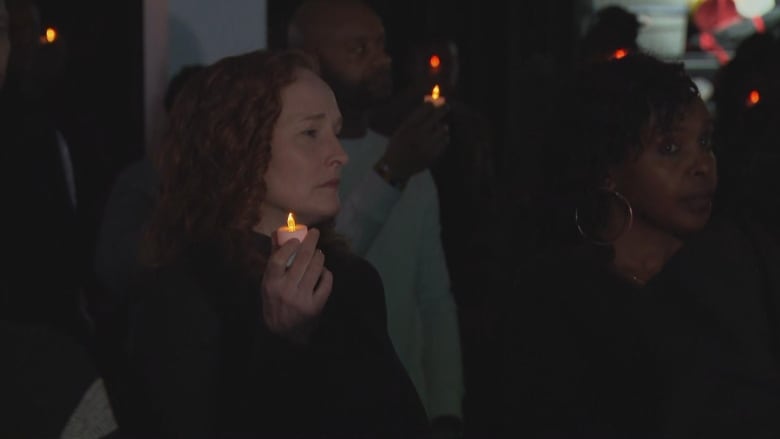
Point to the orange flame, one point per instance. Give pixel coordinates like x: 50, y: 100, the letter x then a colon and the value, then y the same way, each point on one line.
x: 50, y: 35
x: 435, y: 93
x: 753, y: 98
x: 435, y: 61
x: 620, y: 54
x: 290, y: 222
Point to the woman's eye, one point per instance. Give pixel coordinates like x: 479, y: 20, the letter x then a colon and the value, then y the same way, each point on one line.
x: 670, y: 148
x: 359, y: 49
x: 310, y: 133
x: 706, y: 143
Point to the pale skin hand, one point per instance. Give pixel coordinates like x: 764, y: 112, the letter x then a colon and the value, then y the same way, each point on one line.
x: 419, y: 140
x: 292, y: 297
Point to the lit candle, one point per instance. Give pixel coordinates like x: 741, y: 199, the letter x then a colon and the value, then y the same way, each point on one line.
x: 435, y: 98
x: 434, y: 62
x: 754, y: 97
x: 619, y: 54
x: 49, y: 36
x: 290, y: 231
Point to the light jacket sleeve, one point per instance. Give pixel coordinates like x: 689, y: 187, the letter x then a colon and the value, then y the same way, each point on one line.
x: 365, y: 210
x: 442, y: 359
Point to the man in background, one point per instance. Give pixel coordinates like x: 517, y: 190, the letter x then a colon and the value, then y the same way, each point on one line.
x: 390, y: 209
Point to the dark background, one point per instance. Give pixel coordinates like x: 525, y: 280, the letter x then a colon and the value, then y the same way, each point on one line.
x: 509, y: 54
x: 100, y: 101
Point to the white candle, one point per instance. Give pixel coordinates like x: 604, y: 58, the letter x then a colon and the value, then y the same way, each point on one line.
x: 435, y: 97
x: 290, y: 231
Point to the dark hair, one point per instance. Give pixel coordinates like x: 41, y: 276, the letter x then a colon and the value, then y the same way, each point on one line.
x: 604, y: 116
x: 612, y: 28
x: 215, y: 155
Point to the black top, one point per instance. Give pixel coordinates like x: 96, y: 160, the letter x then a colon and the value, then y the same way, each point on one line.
x: 40, y: 223
x: 43, y: 377
x: 206, y: 365
x: 694, y: 353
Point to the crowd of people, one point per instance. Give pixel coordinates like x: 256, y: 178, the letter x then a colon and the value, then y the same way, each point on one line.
x: 638, y: 296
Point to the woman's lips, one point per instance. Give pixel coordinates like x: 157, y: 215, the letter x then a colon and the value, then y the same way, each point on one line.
x: 331, y: 183
x: 699, y: 203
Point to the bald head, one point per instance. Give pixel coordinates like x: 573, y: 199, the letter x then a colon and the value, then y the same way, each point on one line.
x: 348, y: 40
x: 317, y: 19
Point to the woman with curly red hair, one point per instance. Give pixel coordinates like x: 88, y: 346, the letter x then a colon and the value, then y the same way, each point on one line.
x: 232, y: 333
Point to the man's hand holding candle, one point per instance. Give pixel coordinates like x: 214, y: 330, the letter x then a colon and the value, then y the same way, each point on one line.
x: 435, y: 98
x: 293, y: 297
x: 417, y: 142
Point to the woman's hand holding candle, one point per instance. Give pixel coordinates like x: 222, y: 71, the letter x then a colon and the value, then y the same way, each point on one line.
x: 293, y: 298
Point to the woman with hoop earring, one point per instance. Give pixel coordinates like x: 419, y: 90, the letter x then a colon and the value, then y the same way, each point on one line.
x: 642, y: 317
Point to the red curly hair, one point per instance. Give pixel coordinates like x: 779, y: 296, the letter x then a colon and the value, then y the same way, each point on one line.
x: 215, y: 155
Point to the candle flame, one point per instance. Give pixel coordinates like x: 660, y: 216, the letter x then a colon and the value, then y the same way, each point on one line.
x: 620, y: 54
x: 435, y: 61
x: 51, y: 35
x: 290, y: 222
x: 435, y: 92
x: 753, y: 98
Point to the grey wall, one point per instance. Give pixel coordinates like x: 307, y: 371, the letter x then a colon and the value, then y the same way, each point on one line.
x: 183, y: 32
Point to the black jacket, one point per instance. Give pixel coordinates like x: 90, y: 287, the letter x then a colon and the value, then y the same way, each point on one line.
x: 694, y: 353
x: 206, y: 366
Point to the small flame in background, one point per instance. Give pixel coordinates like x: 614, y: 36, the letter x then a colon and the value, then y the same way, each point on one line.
x: 619, y: 54
x: 49, y: 36
x: 754, y: 97
x: 435, y: 61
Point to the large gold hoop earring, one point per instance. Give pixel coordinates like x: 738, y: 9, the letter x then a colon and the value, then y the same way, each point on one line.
x: 626, y: 228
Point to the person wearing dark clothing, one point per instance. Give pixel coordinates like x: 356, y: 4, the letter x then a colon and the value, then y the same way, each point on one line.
x: 210, y: 362
x: 129, y: 206
x: 593, y: 354
x: 116, y: 262
x: 747, y: 97
x: 643, y: 317
x: 234, y: 331
x: 50, y: 387
x: 42, y: 226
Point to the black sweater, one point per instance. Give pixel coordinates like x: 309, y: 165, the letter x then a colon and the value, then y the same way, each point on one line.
x: 692, y: 354
x: 206, y: 366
